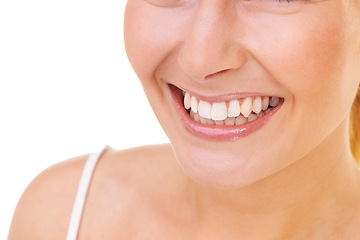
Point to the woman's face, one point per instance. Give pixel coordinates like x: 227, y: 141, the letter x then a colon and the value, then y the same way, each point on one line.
x: 304, y: 53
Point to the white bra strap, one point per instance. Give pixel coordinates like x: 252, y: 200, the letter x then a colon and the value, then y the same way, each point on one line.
x: 81, y: 195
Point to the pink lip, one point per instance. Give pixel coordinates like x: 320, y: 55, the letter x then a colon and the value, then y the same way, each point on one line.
x: 218, y: 132
x: 222, y: 98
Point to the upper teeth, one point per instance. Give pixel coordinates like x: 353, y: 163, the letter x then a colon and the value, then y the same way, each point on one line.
x: 219, y: 111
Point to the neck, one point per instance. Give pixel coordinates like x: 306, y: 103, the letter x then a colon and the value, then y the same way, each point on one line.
x: 311, y: 194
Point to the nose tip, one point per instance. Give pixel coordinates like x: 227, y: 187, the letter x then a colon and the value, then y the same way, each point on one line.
x: 209, y: 60
x: 209, y: 47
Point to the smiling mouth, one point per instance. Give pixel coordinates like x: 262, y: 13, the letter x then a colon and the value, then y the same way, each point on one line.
x: 224, y: 117
x: 237, y: 111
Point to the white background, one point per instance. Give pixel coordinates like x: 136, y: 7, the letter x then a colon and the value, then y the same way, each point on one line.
x: 66, y: 89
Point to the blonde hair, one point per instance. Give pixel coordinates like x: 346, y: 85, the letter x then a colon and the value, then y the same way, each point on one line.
x: 355, y: 128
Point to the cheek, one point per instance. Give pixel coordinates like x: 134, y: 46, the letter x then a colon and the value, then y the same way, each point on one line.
x: 302, y: 57
x: 307, y: 58
x: 150, y: 33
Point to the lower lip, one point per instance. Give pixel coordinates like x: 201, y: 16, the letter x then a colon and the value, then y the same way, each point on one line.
x: 217, y: 132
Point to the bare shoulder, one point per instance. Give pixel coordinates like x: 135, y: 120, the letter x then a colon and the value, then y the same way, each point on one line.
x: 125, y: 184
x: 47, y: 201
x: 45, y: 207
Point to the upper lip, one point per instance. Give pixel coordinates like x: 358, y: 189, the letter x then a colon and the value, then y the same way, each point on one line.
x: 224, y: 97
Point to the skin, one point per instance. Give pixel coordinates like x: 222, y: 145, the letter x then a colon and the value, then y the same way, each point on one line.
x: 308, y: 57
x: 303, y: 184
x: 275, y: 54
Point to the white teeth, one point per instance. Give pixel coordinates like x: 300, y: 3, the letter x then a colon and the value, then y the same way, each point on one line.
x: 187, y: 101
x: 240, y: 120
x: 219, y: 111
x: 194, y: 104
x: 204, y: 109
x: 219, y: 122
x: 210, y: 121
x: 197, y: 117
x: 252, y: 117
x: 274, y: 101
x: 230, y: 121
x: 203, y: 120
x: 262, y: 113
x: 257, y: 105
x: 265, y: 103
x: 234, y: 108
x: 246, y: 107
x: 235, y: 112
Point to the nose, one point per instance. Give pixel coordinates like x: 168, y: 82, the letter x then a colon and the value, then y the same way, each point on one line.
x: 210, y: 45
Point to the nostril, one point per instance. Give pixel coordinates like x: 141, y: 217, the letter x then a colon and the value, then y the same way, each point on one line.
x: 215, y: 74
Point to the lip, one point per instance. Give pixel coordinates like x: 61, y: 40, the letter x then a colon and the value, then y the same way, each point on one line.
x: 221, y: 98
x: 218, y: 132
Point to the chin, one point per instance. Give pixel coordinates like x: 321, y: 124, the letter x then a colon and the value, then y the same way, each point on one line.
x: 222, y: 168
